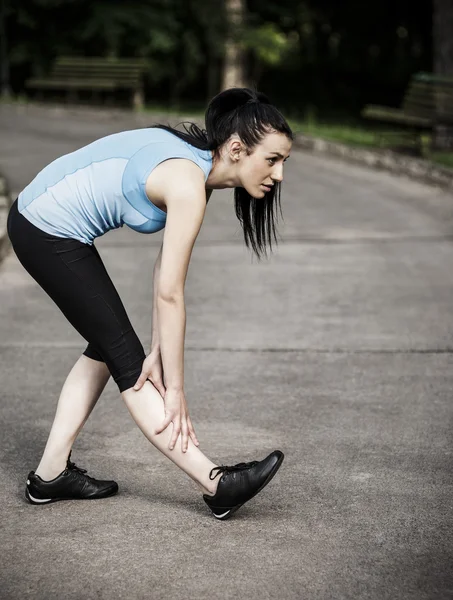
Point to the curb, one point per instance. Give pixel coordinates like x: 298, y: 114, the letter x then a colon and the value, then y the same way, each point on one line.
x: 415, y: 168
x: 5, y: 205
x: 62, y: 111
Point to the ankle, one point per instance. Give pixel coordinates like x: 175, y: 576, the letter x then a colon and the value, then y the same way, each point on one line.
x: 50, y: 471
x: 47, y: 475
x: 212, y: 489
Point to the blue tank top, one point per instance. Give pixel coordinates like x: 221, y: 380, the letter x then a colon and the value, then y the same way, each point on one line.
x: 99, y: 187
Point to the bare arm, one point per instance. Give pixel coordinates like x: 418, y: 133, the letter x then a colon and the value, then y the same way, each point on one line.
x: 155, y: 344
x: 185, y: 198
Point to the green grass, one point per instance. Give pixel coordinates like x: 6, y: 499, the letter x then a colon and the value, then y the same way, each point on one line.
x: 356, y: 135
x: 443, y: 158
x: 346, y: 134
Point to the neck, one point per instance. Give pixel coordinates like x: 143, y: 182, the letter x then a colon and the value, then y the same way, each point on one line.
x: 223, y: 174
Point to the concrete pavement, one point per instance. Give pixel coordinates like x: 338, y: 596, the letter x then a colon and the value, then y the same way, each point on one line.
x: 338, y: 351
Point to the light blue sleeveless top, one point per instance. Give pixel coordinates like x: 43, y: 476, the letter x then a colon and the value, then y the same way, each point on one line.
x: 99, y: 187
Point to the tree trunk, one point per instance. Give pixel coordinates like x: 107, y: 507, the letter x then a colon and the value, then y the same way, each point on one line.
x: 233, y: 70
x: 443, y: 60
x: 5, y: 89
x: 443, y: 37
x: 211, y: 79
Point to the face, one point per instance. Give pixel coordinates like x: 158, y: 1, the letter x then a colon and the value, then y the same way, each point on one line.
x: 258, y: 171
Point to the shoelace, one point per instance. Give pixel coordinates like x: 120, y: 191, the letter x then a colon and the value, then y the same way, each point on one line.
x: 73, y: 467
x: 239, y: 467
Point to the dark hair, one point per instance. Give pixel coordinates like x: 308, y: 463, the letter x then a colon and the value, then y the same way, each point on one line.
x: 250, y: 114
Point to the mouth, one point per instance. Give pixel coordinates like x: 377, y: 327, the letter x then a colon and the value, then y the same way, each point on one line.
x: 267, y: 187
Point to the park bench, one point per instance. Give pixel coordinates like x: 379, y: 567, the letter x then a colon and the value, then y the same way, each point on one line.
x: 95, y: 75
x: 427, y: 104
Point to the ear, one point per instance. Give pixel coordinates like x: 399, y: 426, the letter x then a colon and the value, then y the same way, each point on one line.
x: 236, y: 147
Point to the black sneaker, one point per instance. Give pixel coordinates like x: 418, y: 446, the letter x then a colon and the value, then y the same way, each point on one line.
x: 71, y: 484
x: 240, y: 483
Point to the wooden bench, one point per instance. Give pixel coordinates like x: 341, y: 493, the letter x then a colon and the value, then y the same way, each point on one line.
x: 427, y: 104
x: 75, y: 74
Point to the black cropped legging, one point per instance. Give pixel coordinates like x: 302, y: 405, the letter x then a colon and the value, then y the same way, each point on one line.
x: 74, y: 276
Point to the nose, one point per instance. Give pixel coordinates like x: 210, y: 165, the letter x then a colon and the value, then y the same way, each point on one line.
x: 277, y: 175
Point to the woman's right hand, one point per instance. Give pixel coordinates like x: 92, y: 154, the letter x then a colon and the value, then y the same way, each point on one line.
x: 176, y: 412
x: 152, y: 369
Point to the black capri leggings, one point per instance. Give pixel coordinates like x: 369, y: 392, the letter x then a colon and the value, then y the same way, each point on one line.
x: 74, y: 276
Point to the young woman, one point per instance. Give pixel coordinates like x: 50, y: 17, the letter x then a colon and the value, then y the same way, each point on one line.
x: 147, y: 179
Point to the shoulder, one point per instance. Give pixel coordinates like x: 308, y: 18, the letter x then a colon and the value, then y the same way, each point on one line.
x: 176, y: 178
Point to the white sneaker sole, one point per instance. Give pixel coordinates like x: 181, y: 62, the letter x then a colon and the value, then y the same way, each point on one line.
x: 40, y: 501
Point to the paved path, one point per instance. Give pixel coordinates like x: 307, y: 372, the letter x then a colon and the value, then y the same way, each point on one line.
x: 338, y: 351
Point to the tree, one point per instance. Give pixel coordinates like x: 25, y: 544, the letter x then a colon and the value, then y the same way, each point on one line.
x: 5, y: 90
x: 267, y: 46
x: 443, y: 59
x: 443, y: 37
x: 234, y: 67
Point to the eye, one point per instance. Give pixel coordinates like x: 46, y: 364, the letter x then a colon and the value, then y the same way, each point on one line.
x: 273, y: 159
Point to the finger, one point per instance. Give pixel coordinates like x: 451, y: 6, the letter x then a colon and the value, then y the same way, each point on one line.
x: 184, y: 435
x: 192, y: 432
x: 194, y: 438
x: 176, y: 430
x: 166, y: 422
x: 140, y: 381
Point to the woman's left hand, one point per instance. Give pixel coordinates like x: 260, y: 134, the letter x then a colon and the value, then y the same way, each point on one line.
x: 152, y: 369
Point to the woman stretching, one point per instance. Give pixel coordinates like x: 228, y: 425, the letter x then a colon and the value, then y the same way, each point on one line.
x: 149, y: 179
